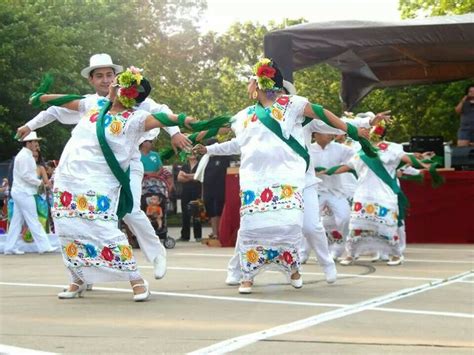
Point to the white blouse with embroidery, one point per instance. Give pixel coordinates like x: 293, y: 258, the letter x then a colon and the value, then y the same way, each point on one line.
x: 272, y: 175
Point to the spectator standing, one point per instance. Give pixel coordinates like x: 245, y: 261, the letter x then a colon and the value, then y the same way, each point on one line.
x: 214, y: 188
x: 25, y: 186
x: 465, y: 108
x: 191, y: 191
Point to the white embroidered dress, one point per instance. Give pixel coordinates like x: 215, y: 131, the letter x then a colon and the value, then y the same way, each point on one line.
x: 86, y: 195
x: 272, y: 178
x: 373, y: 226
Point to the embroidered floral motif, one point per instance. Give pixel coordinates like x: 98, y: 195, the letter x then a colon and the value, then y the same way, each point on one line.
x: 355, y: 236
x: 334, y: 237
x: 271, y: 198
x: 382, y: 146
x: 88, y: 206
x: 259, y: 256
x: 79, y: 254
x: 374, y: 212
x: 115, y: 123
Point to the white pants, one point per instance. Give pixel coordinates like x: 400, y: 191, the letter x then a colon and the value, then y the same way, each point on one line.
x: 313, y: 230
x: 340, y: 209
x: 24, y: 210
x: 139, y: 223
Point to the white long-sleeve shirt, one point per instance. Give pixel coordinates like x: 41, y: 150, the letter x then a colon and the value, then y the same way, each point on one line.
x: 25, y: 178
x: 70, y: 117
x: 331, y: 155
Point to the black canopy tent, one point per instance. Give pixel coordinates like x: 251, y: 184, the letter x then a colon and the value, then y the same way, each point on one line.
x: 379, y: 54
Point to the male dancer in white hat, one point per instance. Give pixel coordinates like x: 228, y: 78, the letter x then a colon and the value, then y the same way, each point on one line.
x: 25, y: 186
x: 101, y: 73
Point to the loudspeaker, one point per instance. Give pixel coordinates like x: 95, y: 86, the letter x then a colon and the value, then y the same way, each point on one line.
x: 420, y: 144
x: 462, y: 158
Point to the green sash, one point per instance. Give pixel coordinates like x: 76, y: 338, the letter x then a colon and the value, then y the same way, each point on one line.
x: 274, y: 126
x: 125, y: 204
x: 376, y: 165
x: 332, y: 170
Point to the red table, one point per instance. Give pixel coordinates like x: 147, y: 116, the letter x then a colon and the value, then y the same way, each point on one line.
x: 442, y: 215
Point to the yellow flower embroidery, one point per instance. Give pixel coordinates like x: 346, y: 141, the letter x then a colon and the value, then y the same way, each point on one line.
x: 277, y: 114
x: 71, y: 250
x: 116, y: 127
x: 252, y: 256
x: 126, y: 252
x: 82, y: 203
x: 370, y: 209
x: 287, y: 191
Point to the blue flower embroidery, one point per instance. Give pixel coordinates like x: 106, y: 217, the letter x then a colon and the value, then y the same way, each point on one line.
x: 107, y: 120
x: 73, y: 206
x: 103, y: 203
x: 101, y: 102
x: 272, y: 254
x: 91, y: 251
x: 249, y: 197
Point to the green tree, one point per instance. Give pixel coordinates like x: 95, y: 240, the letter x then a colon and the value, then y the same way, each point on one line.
x: 416, y: 8
x: 41, y: 36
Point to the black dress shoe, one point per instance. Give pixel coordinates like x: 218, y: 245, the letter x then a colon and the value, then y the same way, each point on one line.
x: 198, y: 239
x: 182, y: 240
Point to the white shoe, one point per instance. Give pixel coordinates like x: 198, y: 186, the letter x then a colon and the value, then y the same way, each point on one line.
x: 232, y: 280
x: 14, y: 252
x: 159, y: 267
x: 395, y: 260
x: 297, y: 283
x: 245, y: 289
x: 331, y: 273
x: 144, y: 295
x: 347, y: 261
x: 50, y: 250
x: 375, y: 257
x: 72, y: 294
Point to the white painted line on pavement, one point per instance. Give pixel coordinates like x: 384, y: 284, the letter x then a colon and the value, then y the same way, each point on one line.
x: 177, y: 268
x: 247, y: 299
x: 7, y: 349
x: 429, y: 313
x: 233, y: 344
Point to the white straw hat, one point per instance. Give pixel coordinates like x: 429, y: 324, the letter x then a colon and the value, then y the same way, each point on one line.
x: 31, y: 137
x: 149, y: 136
x: 102, y: 60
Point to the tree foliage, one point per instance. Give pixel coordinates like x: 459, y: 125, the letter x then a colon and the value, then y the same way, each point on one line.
x: 201, y: 74
x: 417, y: 8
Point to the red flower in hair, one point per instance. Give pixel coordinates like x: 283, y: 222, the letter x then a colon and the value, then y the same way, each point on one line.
x: 266, y: 70
x: 130, y: 92
x: 379, y: 130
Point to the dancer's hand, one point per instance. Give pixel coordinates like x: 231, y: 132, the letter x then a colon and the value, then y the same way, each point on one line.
x: 22, y: 132
x: 200, y: 149
x: 363, y: 132
x: 381, y: 116
x: 180, y: 141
